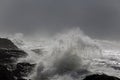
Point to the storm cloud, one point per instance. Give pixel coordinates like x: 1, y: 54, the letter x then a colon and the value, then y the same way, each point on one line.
x: 97, y: 18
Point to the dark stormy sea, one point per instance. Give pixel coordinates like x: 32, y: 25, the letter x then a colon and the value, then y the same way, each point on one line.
x: 70, y: 55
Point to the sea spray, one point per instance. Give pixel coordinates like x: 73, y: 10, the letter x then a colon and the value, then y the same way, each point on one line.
x: 63, y: 54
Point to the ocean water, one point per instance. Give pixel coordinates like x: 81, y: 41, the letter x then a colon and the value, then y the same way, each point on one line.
x: 69, y: 55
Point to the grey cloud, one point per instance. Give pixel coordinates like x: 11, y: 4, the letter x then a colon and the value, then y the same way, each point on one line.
x: 99, y: 19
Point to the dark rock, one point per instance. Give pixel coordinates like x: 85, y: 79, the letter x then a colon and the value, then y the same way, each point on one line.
x: 23, y: 69
x: 10, y: 56
x: 7, y: 44
x: 100, y: 77
x: 5, y: 74
x: 9, y: 52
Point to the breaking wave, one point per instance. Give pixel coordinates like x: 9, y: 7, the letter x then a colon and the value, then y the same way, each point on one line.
x: 70, y: 55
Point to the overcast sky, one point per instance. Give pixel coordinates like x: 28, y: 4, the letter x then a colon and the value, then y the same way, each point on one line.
x: 97, y: 18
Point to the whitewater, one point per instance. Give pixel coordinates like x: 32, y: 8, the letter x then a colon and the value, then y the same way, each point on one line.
x: 69, y: 55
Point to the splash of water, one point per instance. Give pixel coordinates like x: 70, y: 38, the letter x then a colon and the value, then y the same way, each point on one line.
x: 65, y: 56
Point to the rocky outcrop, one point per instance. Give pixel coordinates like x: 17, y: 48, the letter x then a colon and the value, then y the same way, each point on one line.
x: 23, y: 69
x: 11, y: 56
x: 9, y: 68
x: 7, y: 44
x: 100, y: 77
x: 5, y: 73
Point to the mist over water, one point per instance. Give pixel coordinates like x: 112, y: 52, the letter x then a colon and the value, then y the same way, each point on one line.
x: 46, y: 30
x: 64, y: 56
x: 69, y: 55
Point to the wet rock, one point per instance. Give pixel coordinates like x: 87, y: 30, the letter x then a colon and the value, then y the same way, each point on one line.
x: 9, y: 52
x: 23, y: 69
x: 100, y: 77
x: 10, y: 56
x: 7, y: 44
x: 6, y: 74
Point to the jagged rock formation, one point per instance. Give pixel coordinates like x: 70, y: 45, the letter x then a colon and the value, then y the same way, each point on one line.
x: 7, y: 44
x: 100, y: 77
x: 5, y: 74
x: 9, y: 68
x: 23, y: 69
x: 8, y: 56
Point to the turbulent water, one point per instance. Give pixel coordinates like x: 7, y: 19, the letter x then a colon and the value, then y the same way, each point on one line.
x: 70, y: 55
